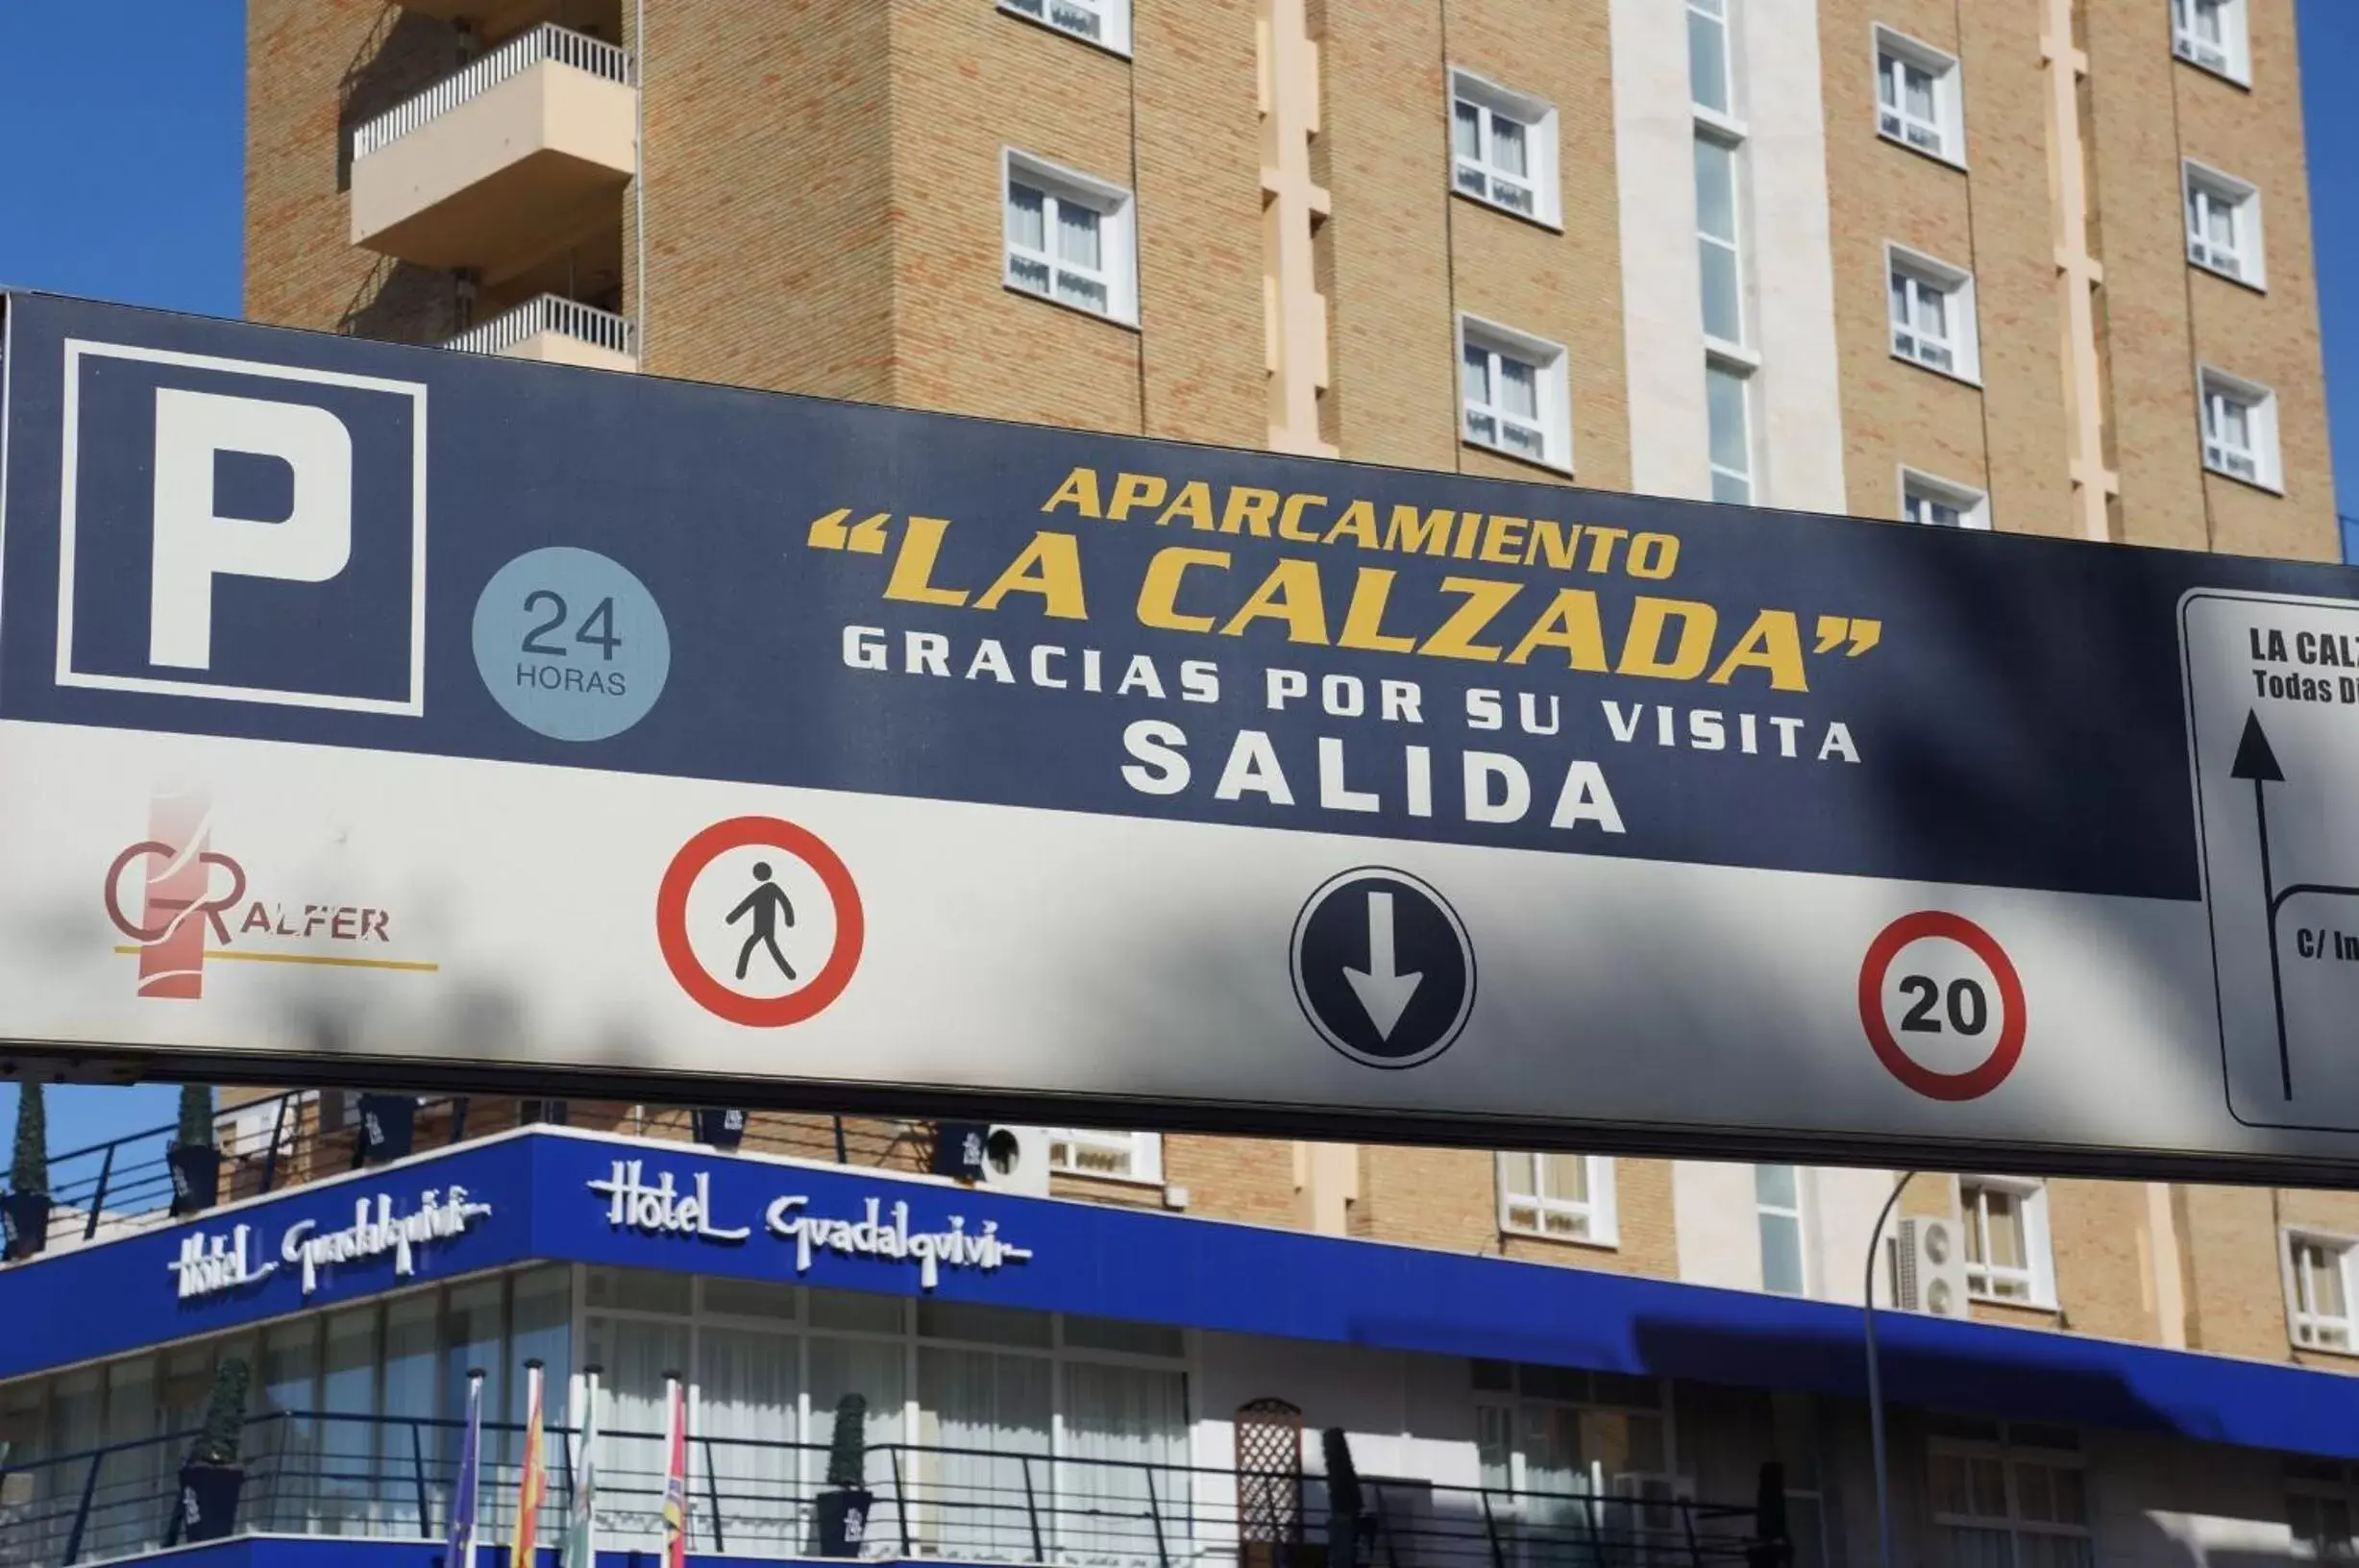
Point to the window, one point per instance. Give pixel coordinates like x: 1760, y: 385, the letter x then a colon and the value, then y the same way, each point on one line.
x: 1130, y: 1157
x: 2010, y: 1496
x: 1711, y: 77
x: 1539, y: 1429
x: 1940, y: 505
x: 1918, y: 103
x: 1105, y: 23
x: 1070, y: 238
x: 2223, y: 224
x: 2240, y: 429
x: 2210, y: 33
x: 1719, y: 260
x: 2006, y: 1241
x: 1727, y: 396
x: 1777, y: 1196
x: 1932, y: 314
x: 2318, y: 1508
x: 1515, y: 394
x: 1504, y: 147
x: 2317, y: 1291
x: 1566, y: 1196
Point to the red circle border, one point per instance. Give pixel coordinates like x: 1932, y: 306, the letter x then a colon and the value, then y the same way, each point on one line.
x: 1976, y: 1081
x: 708, y: 992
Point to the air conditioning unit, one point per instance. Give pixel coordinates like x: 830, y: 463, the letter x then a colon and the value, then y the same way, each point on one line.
x: 1015, y: 1160
x: 1929, y: 1269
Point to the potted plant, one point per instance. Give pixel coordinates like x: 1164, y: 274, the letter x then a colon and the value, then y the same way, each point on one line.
x: 718, y: 1127
x: 843, y: 1506
x: 194, y: 1159
x: 1349, y: 1540
x: 212, y: 1474
x: 24, y: 1213
x: 389, y: 1127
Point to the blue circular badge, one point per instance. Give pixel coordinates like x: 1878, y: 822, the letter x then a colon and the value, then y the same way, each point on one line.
x: 571, y: 644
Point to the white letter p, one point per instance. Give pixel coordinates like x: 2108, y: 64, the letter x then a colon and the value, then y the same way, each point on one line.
x: 194, y: 543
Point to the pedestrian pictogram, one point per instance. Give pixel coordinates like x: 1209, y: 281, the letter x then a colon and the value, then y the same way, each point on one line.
x: 1944, y: 985
x: 1382, y: 967
x: 759, y: 922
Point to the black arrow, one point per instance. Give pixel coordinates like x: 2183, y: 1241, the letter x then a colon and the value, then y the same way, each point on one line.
x: 2258, y: 762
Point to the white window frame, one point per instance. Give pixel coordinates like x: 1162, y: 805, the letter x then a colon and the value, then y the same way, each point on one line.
x: 1112, y: 20
x: 1720, y: 14
x: 1718, y: 360
x: 2260, y: 427
x: 1733, y: 350
x: 1893, y: 121
x: 2214, y: 187
x: 1800, y: 1215
x: 1538, y: 119
x: 1599, y: 1211
x: 2038, y: 1276
x: 2008, y: 1456
x: 1972, y: 505
x: 1553, y: 390
x: 1117, y: 233
x: 1955, y: 284
x: 2231, y: 58
x: 2302, y: 1324
x: 1140, y: 1153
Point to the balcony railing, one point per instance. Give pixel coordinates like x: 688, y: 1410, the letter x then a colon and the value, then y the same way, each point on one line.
x: 124, y: 1185
x: 548, y: 313
x: 547, y: 42
x: 314, y: 1473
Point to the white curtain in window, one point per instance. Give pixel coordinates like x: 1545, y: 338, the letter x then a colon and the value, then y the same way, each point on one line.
x: 1121, y: 1476
x: 745, y: 1390
x: 290, y: 1377
x: 633, y: 1355
x: 348, y: 1492
x: 996, y: 1409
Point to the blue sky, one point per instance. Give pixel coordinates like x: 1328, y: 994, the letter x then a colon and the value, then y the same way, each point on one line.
x: 126, y: 162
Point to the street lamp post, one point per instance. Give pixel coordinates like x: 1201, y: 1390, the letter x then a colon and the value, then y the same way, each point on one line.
x: 1876, y: 1394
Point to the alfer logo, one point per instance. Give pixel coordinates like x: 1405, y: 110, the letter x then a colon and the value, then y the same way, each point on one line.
x: 193, y: 904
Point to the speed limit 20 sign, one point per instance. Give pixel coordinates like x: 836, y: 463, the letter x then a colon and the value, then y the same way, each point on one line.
x: 1942, y: 1005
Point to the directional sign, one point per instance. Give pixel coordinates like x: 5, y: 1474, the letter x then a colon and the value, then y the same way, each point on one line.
x: 379, y: 714
x: 2276, y: 753
x: 1383, y: 967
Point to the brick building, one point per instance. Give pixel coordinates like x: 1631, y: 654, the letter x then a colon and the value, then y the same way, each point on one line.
x: 2035, y: 266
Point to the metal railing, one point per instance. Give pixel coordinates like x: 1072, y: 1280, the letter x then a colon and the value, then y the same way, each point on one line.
x: 323, y: 1474
x: 548, y: 313
x: 124, y: 1185
x: 547, y: 42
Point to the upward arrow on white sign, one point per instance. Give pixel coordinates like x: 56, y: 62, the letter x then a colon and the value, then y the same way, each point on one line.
x: 1384, y: 992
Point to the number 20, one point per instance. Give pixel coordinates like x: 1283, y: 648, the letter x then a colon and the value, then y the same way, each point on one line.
x: 1969, y: 1009
x: 597, y: 628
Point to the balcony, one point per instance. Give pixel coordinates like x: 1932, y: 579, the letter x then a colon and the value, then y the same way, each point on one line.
x: 503, y: 161
x: 558, y: 331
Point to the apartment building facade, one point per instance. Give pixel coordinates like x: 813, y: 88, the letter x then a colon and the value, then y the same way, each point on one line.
x: 2037, y: 265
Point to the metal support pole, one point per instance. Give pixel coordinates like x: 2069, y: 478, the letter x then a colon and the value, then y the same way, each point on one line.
x: 417, y: 1472
x: 1154, y: 1512
x: 98, y: 1204
x: 1876, y: 1392
x: 1032, y: 1511
x: 841, y: 1157
x: 278, y: 1131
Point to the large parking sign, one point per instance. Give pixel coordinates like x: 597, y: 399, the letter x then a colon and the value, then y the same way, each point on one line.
x: 606, y: 733
x: 262, y: 509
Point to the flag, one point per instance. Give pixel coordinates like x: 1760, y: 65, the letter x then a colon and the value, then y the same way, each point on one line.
x: 581, y: 1549
x: 674, y: 1473
x: 460, y: 1547
x: 532, y: 1481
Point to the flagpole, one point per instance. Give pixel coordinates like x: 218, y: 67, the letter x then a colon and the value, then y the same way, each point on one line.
x: 675, y: 1473
x: 580, y: 1549
x: 466, y: 1490
x: 532, y: 1481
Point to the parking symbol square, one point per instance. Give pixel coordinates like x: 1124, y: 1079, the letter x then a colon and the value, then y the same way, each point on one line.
x: 242, y: 531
